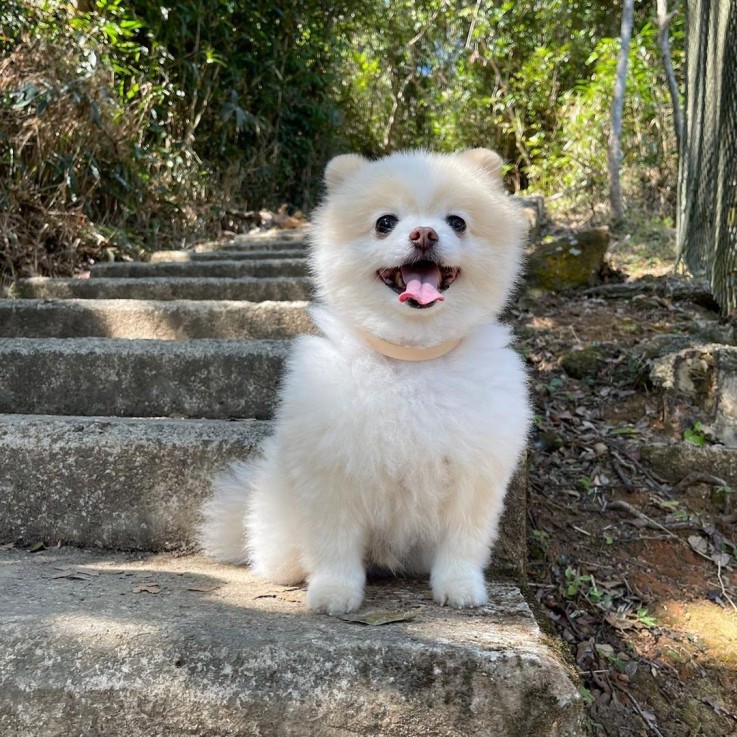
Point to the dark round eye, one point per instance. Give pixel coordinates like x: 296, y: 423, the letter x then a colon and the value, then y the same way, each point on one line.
x: 385, y: 224
x: 457, y: 223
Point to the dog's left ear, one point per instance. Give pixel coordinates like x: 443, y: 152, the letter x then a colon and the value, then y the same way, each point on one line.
x: 485, y: 159
x: 341, y: 167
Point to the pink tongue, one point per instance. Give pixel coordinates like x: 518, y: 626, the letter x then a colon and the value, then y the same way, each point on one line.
x: 421, y: 283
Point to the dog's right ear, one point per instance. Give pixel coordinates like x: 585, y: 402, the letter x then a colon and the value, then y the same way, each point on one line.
x: 487, y: 160
x: 341, y: 167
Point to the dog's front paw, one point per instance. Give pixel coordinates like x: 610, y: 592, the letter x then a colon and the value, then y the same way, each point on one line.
x: 460, y: 591
x: 333, y: 597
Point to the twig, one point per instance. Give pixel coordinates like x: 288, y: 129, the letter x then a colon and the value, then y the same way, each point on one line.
x: 617, y: 466
x: 581, y: 530
x: 640, y: 713
x: 721, y: 583
x: 660, y: 664
x: 627, y: 507
x: 472, y: 27
x: 696, y: 477
x: 656, y: 480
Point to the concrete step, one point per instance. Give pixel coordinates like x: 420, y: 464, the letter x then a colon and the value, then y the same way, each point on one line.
x: 130, y: 483
x: 139, y: 483
x: 185, y: 256
x: 280, y: 244
x: 216, y: 379
x: 206, y: 269
x: 274, y: 235
x: 152, y: 320
x: 165, y: 288
x: 264, y: 240
x: 126, y: 646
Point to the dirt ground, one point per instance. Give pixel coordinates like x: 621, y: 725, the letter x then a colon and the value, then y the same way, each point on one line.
x: 614, y: 550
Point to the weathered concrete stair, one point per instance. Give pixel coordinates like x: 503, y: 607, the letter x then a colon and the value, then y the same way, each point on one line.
x: 250, y: 255
x: 111, y: 482
x: 140, y: 378
x: 252, y: 289
x: 126, y: 646
x: 230, y: 268
x: 138, y: 483
x: 100, y: 642
x: 152, y: 320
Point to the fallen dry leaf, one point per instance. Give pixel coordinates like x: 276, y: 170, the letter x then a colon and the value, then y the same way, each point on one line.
x: 375, y: 619
x: 150, y: 588
x: 699, y: 544
x: 77, y: 574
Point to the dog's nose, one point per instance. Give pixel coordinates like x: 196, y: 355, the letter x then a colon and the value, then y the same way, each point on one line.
x: 423, y: 238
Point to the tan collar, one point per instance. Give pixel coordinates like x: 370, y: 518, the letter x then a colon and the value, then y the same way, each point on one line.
x: 409, y: 352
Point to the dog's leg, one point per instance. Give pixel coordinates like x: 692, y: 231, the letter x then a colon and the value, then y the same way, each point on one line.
x: 273, y: 529
x: 334, y: 552
x: 336, y: 589
x: 470, y: 527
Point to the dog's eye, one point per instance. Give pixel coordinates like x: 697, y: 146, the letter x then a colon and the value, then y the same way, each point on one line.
x: 385, y: 224
x: 457, y: 223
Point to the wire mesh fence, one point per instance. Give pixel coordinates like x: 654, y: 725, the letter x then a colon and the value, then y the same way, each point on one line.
x: 707, y: 191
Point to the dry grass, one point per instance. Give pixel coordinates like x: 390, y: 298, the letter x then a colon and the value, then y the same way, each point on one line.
x: 77, y: 182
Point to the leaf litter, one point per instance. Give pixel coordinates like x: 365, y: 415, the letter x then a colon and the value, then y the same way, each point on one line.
x: 636, y: 574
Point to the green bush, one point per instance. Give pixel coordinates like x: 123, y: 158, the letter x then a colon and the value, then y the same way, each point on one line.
x: 132, y: 125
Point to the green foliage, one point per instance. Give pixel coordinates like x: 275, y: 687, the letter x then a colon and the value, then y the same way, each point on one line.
x: 646, y: 620
x: 695, y: 435
x: 151, y: 121
x: 577, y: 584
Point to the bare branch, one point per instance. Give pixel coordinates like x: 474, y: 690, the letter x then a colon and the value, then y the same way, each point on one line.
x: 664, y: 19
x: 615, y: 133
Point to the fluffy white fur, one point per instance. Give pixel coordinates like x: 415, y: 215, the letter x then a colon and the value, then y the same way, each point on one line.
x: 378, y: 461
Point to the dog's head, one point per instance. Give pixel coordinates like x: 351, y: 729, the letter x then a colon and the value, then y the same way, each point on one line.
x: 417, y: 248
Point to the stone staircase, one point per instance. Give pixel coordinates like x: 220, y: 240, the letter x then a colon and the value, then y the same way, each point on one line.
x: 121, y: 396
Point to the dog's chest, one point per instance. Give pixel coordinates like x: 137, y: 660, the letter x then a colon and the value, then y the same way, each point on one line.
x: 417, y: 419
x: 387, y: 423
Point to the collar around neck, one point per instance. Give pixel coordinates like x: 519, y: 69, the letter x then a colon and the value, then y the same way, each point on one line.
x: 409, y: 352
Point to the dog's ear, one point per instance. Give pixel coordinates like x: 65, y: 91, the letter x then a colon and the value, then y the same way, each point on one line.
x: 341, y: 167
x: 485, y: 159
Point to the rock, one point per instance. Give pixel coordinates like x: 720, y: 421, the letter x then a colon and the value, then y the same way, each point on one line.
x: 676, y: 288
x: 700, y: 384
x: 665, y: 344
x: 674, y: 461
x: 571, y: 261
x: 582, y: 364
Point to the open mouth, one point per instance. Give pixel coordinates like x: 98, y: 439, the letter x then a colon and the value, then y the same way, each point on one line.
x: 419, y: 284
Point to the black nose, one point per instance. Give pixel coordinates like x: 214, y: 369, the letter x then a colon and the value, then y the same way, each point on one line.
x: 423, y: 238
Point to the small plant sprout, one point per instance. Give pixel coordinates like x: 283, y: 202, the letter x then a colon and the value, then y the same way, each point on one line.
x: 575, y: 582
x: 646, y: 620
x: 542, y: 538
x: 695, y: 435
x: 586, y: 483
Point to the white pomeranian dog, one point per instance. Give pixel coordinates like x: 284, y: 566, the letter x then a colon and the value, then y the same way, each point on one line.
x: 400, y: 425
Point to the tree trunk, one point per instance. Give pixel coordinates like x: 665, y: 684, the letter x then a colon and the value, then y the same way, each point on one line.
x: 664, y: 44
x: 615, y: 133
